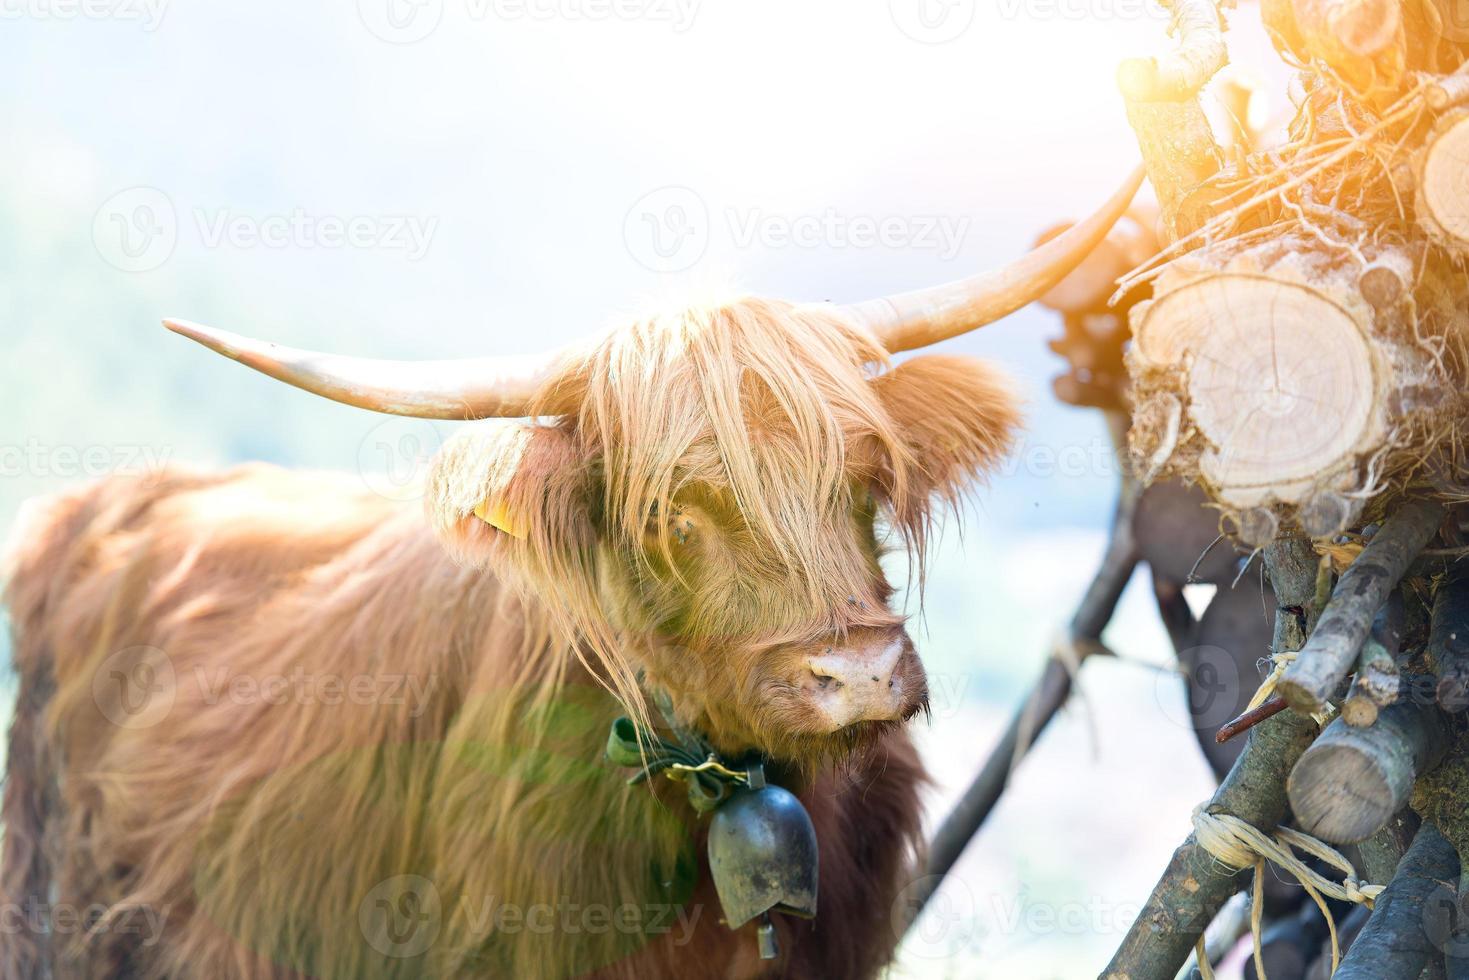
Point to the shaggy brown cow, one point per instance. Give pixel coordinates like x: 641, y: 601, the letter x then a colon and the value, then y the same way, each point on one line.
x: 272, y: 726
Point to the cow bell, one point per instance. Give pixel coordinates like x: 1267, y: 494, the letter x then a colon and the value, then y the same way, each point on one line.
x: 762, y: 855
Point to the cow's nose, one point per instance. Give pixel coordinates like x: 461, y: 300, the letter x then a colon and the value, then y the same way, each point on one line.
x: 859, y: 681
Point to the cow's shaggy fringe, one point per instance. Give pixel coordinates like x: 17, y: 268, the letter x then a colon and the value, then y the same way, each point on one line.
x: 275, y: 830
x: 776, y: 412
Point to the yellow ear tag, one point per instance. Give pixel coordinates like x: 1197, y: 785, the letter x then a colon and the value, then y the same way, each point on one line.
x: 498, y: 516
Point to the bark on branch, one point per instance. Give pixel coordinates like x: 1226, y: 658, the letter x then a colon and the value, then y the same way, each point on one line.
x: 1332, y: 651
x: 1193, y: 887
x: 1394, y: 944
x: 1352, y: 780
x: 1448, y: 638
x: 1378, y: 681
x: 1182, y: 72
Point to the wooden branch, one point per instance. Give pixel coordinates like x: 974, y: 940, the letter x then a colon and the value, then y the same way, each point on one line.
x: 1192, y: 888
x: 1181, y: 73
x: 1380, y: 854
x: 1180, y: 154
x: 1162, y: 97
x: 1251, y: 718
x: 1448, y: 638
x: 1394, y: 945
x: 1332, y: 651
x: 1377, y: 683
x: 1449, y: 91
x: 1352, y: 780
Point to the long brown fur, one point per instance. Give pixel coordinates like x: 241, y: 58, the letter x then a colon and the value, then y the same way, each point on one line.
x: 714, y: 503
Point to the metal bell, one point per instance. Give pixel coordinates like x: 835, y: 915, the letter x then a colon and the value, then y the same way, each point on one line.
x: 762, y: 854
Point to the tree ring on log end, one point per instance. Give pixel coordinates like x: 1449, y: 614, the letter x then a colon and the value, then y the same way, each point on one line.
x: 1282, y: 381
x: 1344, y: 796
x: 1443, y: 191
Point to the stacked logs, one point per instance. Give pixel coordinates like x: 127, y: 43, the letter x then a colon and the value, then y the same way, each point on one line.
x: 1393, y: 632
x: 1303, y: 356
x: 1306, y: 347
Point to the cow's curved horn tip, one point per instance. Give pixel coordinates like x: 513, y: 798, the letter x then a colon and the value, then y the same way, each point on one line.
x: 197, y: 332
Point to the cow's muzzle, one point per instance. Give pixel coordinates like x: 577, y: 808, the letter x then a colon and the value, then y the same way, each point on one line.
x: 870, y: 675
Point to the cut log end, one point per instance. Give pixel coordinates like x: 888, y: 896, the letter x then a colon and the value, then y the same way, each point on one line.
x: 1443, y: 191
x: 1359, y: 711
x: 1344, y: 794
x: 1366, y: 27
x: 1280, y: 381
x: 1328, y: 513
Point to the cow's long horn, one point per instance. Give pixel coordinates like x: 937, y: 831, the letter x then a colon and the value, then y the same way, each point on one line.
x: 925, y: 316
x: 469, y: 388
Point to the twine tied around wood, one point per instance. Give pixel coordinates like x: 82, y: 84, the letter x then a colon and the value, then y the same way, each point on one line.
x: 1239, y: 844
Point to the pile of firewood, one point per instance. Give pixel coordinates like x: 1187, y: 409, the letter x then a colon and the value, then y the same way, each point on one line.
x: 1300, y: 350
x: 1283, y: 346
x: 1304, y: 352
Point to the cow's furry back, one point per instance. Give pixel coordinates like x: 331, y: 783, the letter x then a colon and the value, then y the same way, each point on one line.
x: 230, y: 824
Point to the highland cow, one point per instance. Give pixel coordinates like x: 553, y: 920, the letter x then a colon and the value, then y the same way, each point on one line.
x: 298, y: 730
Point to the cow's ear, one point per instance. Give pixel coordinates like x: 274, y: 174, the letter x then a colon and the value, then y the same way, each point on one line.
x: 957, y: 415
x: 498, y: 482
